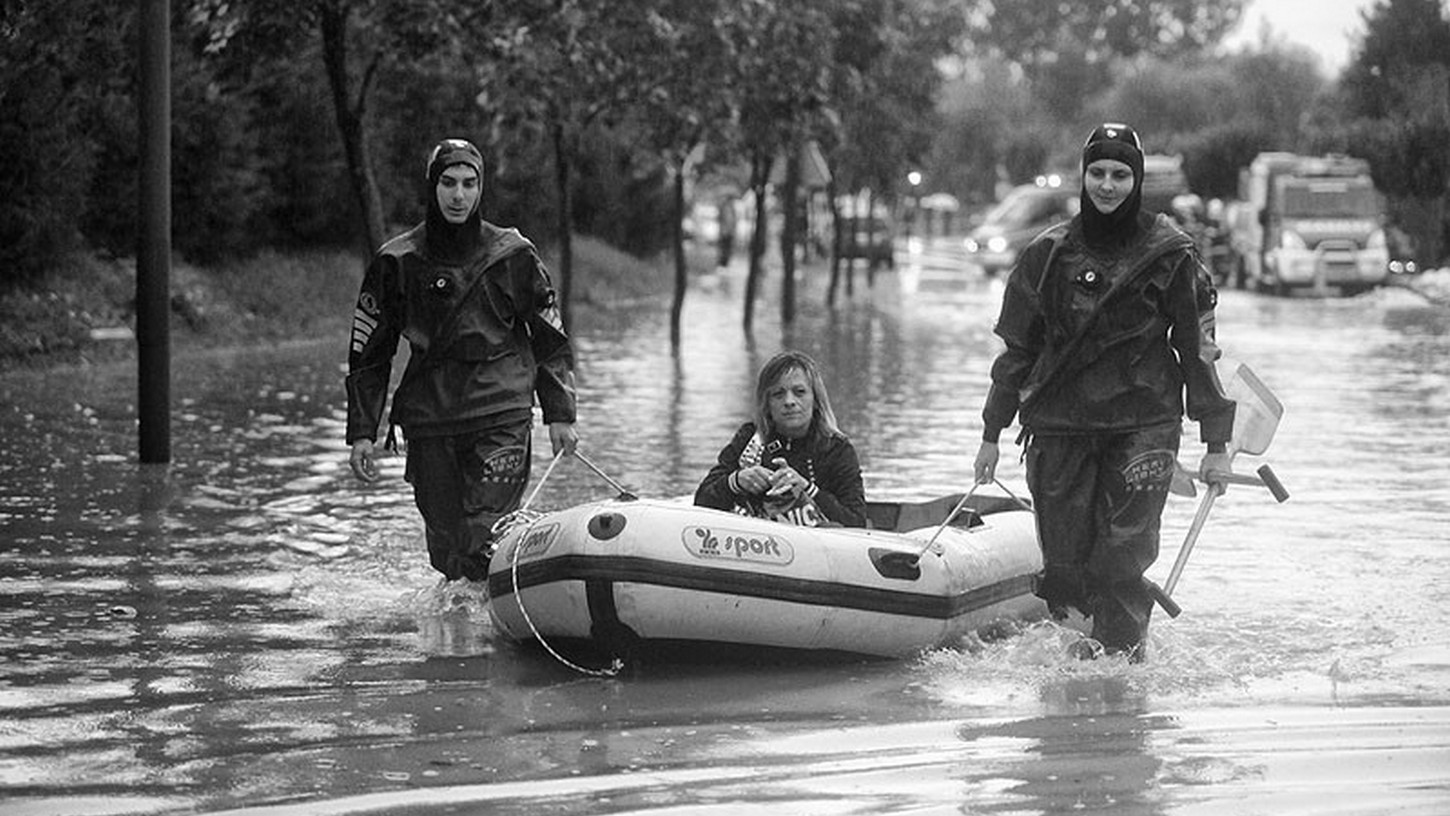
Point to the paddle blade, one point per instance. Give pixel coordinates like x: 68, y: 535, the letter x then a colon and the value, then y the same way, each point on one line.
x: 1256, y: 418
x: 1182, y: 482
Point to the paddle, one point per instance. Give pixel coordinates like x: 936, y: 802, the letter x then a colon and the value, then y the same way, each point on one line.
x: 1256, y: 419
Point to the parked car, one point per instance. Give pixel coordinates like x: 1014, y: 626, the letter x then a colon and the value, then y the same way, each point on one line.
x: 871, y: 237
x: 1019, y: 217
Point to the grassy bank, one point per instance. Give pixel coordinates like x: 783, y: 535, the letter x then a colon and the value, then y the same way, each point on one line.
x: 85, y: 311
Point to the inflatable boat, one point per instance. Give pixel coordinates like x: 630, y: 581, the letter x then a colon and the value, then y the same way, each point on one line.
x: 627, y: 575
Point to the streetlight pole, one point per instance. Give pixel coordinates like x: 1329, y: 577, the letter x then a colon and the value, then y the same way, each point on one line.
x: 153, y: 255
x: 913, y: 200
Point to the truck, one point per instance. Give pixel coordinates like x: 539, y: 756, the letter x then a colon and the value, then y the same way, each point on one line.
x: 1309, y: 222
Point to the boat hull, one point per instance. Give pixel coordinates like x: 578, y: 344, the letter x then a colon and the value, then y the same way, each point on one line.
x: 623, y: 575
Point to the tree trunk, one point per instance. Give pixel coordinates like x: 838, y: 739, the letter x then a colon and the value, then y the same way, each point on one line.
x: 759, y: 179
x: 871, y: 239
x: 789, y: 233
x: 565, y: 223
x: 835, y: 241
x: 350, y: 122
x: 677, y: 307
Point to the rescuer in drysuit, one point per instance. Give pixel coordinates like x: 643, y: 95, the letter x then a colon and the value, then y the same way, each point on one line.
x: 477, y: 308
x: 1108, y: 322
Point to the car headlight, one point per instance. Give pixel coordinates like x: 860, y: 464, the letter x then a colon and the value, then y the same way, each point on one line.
x: 1292, y: 240
x: 971, y: 245
x: 997, y: 244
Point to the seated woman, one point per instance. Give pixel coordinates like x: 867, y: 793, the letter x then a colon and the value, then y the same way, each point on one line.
x: 791, y: 464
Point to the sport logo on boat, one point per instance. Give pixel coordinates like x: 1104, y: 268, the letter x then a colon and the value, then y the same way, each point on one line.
x: 705, y: 542
x: 535, y: 542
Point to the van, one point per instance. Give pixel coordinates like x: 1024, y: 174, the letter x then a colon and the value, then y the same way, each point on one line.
x: 1163, y: 181
x: 1020, y: 216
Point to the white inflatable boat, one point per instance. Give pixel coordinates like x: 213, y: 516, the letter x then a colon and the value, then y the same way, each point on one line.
x: 629, y: 575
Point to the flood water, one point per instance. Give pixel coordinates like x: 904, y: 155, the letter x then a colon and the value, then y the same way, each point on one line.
x: 249, y: 629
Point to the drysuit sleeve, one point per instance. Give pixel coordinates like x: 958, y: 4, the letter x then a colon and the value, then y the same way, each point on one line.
x: 376, y: 326
x: 1192, y: 300
x: 1021, y: 327
x: 553, y: 352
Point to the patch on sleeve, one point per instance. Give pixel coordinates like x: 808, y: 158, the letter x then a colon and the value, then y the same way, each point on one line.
x: 364, y: 323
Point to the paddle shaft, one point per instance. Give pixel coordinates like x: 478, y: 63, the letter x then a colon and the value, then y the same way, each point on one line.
x: 1266, y: 478
x: 1194, y: 529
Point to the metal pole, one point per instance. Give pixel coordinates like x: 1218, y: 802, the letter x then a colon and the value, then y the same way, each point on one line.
x: 153, y: 256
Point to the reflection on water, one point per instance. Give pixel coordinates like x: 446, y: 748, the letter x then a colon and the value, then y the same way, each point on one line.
x: 250, y: 625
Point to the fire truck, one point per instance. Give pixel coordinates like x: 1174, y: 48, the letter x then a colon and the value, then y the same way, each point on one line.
x: 1309, y: 222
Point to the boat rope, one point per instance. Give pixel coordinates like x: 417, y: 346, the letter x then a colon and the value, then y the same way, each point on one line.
x: 526, y: 517
x: 1025, y: 505
x: 523, y: 515
x: 962, y: 503
x: 614, y: 668
x: 948, y: 520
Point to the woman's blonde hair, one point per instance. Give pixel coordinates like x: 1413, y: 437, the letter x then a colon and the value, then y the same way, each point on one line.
x: 823, y: 419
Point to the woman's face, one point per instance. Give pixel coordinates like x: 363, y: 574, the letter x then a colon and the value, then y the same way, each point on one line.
x: 457, y: 193
x: 792, y: 403
x: 1108, y: 182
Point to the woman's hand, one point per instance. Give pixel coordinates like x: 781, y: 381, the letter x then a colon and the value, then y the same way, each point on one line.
x: 754, y: 480
x: 785, y: 481
x: 984, y: 469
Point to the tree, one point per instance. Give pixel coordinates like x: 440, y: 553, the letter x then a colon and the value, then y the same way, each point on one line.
x: 1036, y: 73
x: 55, y: 76
x: 1218, y: 112
x: 782, y: 82
x: 887, y: 91
x: 360, y: 39
x: 687, y: 115
x: 1400, y: 38
x: 1035, y: 32
x: 563, y: 66
x: 1397, y: 86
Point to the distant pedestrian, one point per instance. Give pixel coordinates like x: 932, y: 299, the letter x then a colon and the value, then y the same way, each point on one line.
x: 725, y: 241
x: 477, y: 308
x: 1108, y: 321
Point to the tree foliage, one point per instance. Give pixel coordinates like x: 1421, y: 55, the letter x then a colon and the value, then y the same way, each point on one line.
x: 49, y: 105
x: 1397, y: 89
x: 304, y: 122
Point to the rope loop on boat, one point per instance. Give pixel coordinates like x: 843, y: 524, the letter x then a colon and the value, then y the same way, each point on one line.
x: 514, y: 518
x: 614, y: 668
x: 523, y: 516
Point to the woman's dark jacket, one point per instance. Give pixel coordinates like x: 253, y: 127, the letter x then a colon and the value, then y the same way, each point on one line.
x: 483, y: 331
x: 828, y: 461
x: 1108, y: 341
